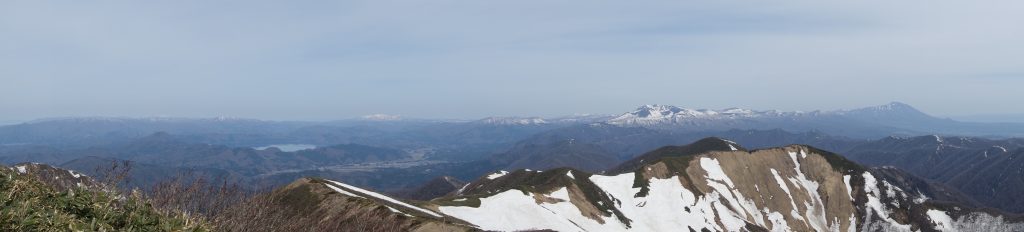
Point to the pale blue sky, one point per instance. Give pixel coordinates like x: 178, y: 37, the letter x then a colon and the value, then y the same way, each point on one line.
x: 318, y: 60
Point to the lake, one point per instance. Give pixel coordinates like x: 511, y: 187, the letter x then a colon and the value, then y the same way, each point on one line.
x: 288, y: 147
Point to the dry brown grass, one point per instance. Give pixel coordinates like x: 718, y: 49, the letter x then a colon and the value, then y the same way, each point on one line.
x: 228, y: 207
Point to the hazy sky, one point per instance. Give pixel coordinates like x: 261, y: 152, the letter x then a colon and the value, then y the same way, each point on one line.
x: 468, y: 59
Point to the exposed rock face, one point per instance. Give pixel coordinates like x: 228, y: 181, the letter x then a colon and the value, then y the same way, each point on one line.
x: 804, y: 191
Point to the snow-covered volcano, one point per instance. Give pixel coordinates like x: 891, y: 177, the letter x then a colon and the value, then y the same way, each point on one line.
x: 650, y: 115
x: 869, y: 122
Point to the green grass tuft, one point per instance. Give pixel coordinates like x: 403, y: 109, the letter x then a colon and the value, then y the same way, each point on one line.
x: 29, y: 205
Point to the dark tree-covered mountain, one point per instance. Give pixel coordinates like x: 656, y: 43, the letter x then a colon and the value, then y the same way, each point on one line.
x: 629, y: 142
x: 105, y: 130
x: 702, y: 146
x: 434, y: 188
x: 583, y: 156
x: 145, y: 175
x: 167, y: 150
x: 991, y: 171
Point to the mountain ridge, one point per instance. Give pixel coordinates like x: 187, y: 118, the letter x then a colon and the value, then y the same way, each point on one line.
x: 790, y: 188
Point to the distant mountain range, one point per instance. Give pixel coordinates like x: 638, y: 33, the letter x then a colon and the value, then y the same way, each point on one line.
x: 491, y: 134
x: 869, y: 122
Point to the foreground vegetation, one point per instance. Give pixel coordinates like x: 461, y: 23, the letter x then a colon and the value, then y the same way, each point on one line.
x: 32, y: 202
x: 30, y: 205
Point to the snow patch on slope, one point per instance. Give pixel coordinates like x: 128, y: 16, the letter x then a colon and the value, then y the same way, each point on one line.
x: 942, y: 220
x: 496, y: 175
x: 721, y: 182
x: 875, y: 206
x: 789, y: 195
x: 849, y: 189
x: 342, y: 191
x: 385, y: 198
x: 76, y: 175
x: 513, y: 211
x: 815, y: 208
x: 660, y: 209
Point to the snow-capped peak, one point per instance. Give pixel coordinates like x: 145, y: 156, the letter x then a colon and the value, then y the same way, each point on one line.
x: 667, y: 114
x: 737, y: 111
x: 513, y: 121
x: 381, y: 117
x: 668, y: 111
x: 582, y: 118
